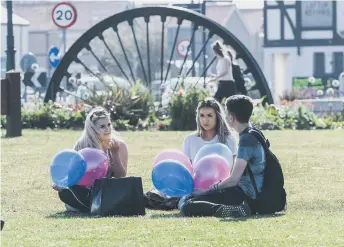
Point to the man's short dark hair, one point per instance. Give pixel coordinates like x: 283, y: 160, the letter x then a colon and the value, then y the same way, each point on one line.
x: 241, y: 107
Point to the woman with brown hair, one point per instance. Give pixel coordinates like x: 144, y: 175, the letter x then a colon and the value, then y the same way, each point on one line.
x: 211, y: 128
x: 224, y: 72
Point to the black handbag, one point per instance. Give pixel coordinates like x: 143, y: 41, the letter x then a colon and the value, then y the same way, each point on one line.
x: 117, y: 196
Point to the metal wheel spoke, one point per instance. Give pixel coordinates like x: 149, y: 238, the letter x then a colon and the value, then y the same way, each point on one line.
x: 199, y: 54
x: 125, y: 54
x: 138, y: 51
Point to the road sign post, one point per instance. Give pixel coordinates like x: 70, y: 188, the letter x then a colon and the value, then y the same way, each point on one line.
x: 64, y: 15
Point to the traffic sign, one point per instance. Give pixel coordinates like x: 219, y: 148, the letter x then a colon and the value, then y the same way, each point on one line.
x: 64, y: 15
x: 182, y: 47
x: 37, y: 79
x: 54, y: 57
x: 26, y: 61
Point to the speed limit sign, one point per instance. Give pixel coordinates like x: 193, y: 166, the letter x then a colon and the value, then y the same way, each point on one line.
x: 182, y: 47
x: 64, y: 15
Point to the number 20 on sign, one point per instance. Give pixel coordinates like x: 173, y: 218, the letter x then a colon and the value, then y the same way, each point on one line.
x: 64, y: 15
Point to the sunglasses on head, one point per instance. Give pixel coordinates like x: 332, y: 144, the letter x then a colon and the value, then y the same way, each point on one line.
x: 98, y: 113
x: 208, y: 103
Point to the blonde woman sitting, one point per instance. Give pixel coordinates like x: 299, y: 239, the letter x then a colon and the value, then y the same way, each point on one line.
x: 98, y: 133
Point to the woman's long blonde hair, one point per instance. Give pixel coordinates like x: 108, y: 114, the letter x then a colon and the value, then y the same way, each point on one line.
x: 89, y: 137
x: 222, y: 129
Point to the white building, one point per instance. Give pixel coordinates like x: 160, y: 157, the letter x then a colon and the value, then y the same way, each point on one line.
x: 246, y: 24
x: 302, y: 39
x: 21, y: 38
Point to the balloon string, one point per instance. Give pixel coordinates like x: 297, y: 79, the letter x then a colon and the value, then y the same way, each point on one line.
x: 77, y: 198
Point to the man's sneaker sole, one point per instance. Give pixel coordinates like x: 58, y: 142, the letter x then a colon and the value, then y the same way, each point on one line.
x: 242, y: 210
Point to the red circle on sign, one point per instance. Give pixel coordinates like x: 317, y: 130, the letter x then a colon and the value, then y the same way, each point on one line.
x: 185, y: 41
x: 74, y: 15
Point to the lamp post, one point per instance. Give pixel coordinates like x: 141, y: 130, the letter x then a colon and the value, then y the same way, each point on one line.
x: 10, y: 52
x: 13, y: 113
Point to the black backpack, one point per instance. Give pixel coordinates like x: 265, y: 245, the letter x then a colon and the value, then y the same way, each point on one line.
x: 239, y: 79
x: 273, y: 197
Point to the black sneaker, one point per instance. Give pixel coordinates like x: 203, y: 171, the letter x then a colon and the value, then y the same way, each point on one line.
x: 242, y: 210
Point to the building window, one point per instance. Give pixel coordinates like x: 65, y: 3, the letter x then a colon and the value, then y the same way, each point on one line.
x: 319, y: 64
x: 338, y: 63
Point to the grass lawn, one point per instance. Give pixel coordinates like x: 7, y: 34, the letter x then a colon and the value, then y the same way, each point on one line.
x: 314, y: 176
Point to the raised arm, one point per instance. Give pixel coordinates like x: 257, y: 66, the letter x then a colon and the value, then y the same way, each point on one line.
x: 119, y: 159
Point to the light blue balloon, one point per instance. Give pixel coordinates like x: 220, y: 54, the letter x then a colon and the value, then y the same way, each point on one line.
x: 171, y: 178
x: 67, y: 168
x: 215, y: 148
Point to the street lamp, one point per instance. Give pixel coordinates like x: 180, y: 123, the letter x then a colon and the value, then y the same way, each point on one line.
x: 10, y: 63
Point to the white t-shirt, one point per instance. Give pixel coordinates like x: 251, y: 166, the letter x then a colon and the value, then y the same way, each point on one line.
x: 224, y: 66
x: 193, y: 143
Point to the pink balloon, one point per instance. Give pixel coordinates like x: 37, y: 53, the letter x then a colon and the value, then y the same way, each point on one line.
x: 174, y: 155
x: 97, y: 164
x: 209, y: 170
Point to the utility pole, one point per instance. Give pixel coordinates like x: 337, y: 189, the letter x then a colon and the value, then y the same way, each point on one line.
x: 10, y: 52
x: 192, y: 50
x: 204, y: 5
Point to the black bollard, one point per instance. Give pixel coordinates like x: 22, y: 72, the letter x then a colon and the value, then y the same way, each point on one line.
x: 13, y: 118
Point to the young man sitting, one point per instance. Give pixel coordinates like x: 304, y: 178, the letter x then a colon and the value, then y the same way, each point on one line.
x: 229, y: 198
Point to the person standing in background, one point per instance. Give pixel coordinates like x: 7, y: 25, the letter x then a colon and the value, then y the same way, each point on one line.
x: 238, y: 76
x: 224, y: 73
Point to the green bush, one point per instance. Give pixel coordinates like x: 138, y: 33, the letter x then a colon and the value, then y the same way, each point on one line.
x: 51, y: 115
x: 54, y: 116
x: 183, y: 106
x: 293, y: 116
x: 57, y: 117
x: 130, y: 109
x: 127, y: 106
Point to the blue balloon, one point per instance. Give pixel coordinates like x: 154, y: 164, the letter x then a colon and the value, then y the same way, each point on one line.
x: 172, y: 178
x: 67, y: 168
x: 215, y: 148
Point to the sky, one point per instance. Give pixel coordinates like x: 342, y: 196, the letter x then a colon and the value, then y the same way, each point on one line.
x: 239, y: 3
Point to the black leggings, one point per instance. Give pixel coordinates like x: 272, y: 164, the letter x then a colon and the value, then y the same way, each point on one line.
x: 78, y: 197
x: 225, y: 90
x: 208, y: 204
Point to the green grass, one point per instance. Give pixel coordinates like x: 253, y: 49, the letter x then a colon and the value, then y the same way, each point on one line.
x: 314, y: 179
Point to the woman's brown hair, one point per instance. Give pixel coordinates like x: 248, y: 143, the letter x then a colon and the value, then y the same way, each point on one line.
x: 218, y: 48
